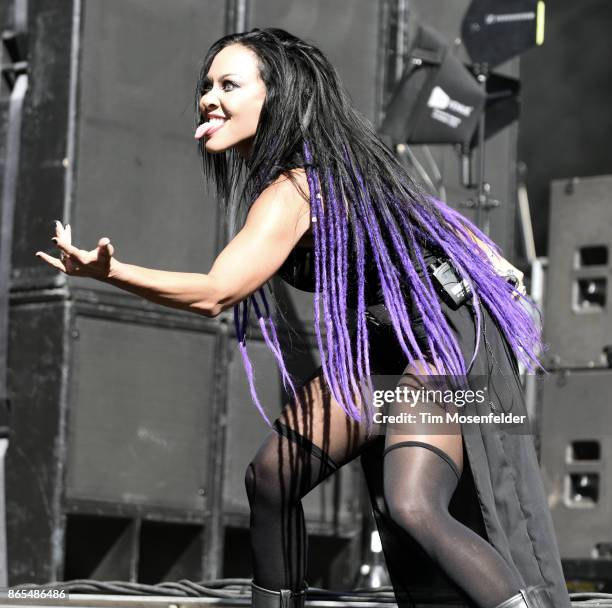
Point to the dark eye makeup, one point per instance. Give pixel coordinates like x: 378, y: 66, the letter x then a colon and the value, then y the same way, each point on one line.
x: 226, y: 85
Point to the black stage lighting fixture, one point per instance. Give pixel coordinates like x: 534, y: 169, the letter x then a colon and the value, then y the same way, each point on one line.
x: 494, y: 31
x: 437, y: 100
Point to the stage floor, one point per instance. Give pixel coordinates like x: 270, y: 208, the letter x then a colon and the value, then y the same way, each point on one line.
x: 81, y: 600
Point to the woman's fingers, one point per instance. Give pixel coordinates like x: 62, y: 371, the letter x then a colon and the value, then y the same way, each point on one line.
x: 63, y: 232
x: 77, y: 262
x: 519, y: 290
x: 70, y: 250
x: 105, y: 248
x: 51, y: 260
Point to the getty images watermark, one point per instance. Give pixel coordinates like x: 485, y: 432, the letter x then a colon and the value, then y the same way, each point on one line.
x: 442, y: 405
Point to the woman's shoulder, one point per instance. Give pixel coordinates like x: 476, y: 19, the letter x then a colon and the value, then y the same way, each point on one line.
x: 293, y: 181
x: 286, y: 199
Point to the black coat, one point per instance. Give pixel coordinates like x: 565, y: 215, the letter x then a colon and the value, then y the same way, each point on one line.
x: 500, y: 495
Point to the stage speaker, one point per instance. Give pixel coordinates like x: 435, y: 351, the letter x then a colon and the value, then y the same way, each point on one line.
x: 578, y: 318
x: 108, y: 132
x: 113, y: 418
x: 576, y: 460
x: 353, y: 34
x: 114, y: 399
x: 139, y: 418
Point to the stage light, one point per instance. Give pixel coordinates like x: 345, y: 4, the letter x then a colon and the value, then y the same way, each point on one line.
x: 494, y: 31
x: 437, y: 100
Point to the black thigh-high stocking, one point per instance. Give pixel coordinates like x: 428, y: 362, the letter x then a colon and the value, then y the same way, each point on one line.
x: 420, y: 477
x: 312, y: 438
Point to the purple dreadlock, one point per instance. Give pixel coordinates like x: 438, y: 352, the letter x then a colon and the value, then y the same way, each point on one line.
x: 363, y: 203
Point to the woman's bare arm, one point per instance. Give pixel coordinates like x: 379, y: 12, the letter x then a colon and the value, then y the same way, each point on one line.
x: 275, y: 223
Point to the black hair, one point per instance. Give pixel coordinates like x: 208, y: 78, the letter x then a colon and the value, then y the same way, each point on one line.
x: 305, y: 101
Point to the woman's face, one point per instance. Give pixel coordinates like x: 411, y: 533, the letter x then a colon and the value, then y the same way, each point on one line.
x: 232, y: 99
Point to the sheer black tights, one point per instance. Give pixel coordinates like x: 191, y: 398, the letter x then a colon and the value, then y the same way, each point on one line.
x: 282, y: 473
x: 419, y: 481
x: 314, y: 437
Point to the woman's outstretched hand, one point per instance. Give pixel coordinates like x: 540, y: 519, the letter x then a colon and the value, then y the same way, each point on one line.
x: 95, y: 264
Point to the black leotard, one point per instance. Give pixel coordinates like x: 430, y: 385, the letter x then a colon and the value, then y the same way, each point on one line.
x: 299, y: 271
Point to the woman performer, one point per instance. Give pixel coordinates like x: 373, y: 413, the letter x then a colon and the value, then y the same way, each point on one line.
x: 325, y: 200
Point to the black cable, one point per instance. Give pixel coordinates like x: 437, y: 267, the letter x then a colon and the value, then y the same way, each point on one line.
x: 240, y: 589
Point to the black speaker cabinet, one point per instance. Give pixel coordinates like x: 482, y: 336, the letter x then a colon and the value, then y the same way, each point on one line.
x: 114, y: 401
x: 576, y: 459
x: 111, y: 434
x: 578, y: 314
x: 353, y: 35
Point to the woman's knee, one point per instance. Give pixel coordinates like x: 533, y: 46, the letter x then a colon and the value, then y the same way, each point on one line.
x: 419, y: 481
x: 262, y: 483
x: 270, y: 482
x: 411, y: 513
